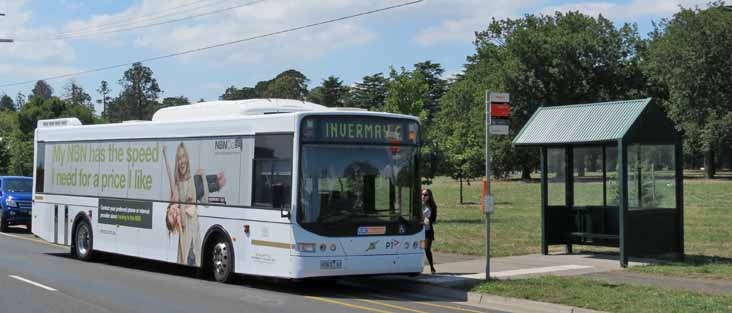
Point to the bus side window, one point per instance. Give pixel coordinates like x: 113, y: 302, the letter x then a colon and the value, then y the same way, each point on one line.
x: 40, y: 166
x: 272, y: 177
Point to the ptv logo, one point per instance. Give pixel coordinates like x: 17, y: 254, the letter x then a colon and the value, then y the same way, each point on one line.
x: 393, y: 244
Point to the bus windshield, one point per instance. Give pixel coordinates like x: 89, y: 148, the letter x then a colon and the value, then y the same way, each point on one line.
x: 347, y: 187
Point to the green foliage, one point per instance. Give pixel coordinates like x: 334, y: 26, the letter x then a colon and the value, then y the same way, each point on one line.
x: 19, y: 128
x: 432, y: 75
x: 174, y: 101
x: 6, y: 103
x: 406, y: 92
x: 243, y: 93
x: 335, y: 94
x: 370, y: 93
x: 688, y: 58
x: 104, y: 96
x: 76, y: 95
x: 541, y: 61
x: 289, y: 84
x: 41, y: 90
x: 137, y: 101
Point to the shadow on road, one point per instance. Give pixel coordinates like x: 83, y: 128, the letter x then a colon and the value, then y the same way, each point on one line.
x: 355, y: 287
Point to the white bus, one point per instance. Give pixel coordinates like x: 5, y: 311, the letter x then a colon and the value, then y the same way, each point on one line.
x: 266, y: 187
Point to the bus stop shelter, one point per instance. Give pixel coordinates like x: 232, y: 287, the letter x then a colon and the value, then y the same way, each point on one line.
x: 611, y: 175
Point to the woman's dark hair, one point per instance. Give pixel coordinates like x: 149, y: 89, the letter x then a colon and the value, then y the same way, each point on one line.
x: 431, y: 203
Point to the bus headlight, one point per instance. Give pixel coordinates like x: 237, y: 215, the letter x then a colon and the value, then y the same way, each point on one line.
x: 10, y: 202
x: 306, y: 247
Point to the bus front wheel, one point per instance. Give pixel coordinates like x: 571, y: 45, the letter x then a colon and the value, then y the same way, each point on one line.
x: 83, y: 245
x: 221, y: 260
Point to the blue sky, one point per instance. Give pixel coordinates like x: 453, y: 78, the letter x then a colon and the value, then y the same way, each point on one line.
x: 437, y: 30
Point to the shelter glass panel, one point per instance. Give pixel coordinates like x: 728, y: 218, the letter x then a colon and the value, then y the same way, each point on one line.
x: 556, y: 176
x: 651, y: 177
x: 588, y: 176
x: 612, y: 194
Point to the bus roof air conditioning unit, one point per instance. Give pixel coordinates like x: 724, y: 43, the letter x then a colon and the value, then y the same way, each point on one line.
x: 59, y: 122
x: 233, y: 108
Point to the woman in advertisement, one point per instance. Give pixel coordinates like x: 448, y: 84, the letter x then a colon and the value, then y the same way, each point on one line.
x: 185, y: 191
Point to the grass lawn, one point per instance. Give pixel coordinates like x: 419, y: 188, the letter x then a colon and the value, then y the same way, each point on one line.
x: 596, y: 295
x: 515, y: 228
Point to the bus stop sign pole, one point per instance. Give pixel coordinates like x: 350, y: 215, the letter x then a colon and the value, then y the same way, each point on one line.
x: 496, y: 105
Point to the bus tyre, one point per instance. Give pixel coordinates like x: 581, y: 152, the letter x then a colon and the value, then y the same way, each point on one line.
x: 221, y: 260
x: 83, y: 245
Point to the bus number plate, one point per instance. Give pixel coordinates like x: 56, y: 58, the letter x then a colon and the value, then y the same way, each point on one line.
x: 331, y: 265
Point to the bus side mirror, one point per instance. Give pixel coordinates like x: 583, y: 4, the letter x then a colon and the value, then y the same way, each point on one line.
x: 278, y: 199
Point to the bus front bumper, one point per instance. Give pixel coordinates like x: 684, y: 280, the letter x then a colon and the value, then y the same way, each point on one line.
x: 304, y: 267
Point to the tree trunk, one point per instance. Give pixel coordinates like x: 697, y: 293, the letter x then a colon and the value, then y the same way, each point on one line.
x: 709, y: 166
x: 461, y: 189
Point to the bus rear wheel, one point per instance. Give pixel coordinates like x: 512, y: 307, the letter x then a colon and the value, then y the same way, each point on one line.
x: 83, y: 245
x: 221, y: 260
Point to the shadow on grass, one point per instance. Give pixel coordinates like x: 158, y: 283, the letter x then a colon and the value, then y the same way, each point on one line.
x: 699, y: 260
x: 460, y: 221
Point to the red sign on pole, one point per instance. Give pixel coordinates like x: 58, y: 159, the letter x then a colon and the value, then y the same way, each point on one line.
x: 500, y: 110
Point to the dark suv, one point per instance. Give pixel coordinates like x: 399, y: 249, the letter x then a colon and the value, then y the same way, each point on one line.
x: 15, y: 201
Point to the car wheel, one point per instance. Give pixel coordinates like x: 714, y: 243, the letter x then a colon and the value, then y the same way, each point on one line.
x: 83, y: 245
x: 221, y: 260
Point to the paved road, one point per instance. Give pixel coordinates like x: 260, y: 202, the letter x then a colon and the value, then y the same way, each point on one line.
x: 39, y: 277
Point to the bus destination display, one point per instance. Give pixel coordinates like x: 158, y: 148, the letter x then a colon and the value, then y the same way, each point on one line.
x: 388, y: 131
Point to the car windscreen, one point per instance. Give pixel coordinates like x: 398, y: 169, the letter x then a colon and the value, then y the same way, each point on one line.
x: 18, y: 185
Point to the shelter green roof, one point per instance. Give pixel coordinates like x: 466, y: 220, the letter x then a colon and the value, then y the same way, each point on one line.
x: 581, y: 123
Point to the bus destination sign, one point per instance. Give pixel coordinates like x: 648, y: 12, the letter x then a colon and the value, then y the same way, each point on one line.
x: 365, y: 130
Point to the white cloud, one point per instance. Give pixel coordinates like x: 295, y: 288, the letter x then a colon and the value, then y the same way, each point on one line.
x: 459, y: 20
x: 24, y: 60
x: 243, y: 22
x: 18, y: 72
x: 627, y: 11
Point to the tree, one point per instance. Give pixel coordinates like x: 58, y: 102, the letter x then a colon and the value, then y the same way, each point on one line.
x: 432, y: 74
x: 541, y: 60
x: 20, y: 100
x: 76, y: 95
x: 138, y: 97
x: 370, y: 93
x: 175, y: 101
x: 289, y: 84
x: 42, y: 90
x: 406, y: 92
x: 20, y: 143
x: 243, y: 93
x: 332, y: 93
x: 688, y: 57
x: 104, y: 96
x: 6, y: 103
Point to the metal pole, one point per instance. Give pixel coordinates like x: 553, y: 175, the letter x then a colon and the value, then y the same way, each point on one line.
x: 488, y: 184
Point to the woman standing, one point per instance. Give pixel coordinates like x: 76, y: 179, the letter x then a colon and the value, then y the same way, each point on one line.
x: 429, y: 212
